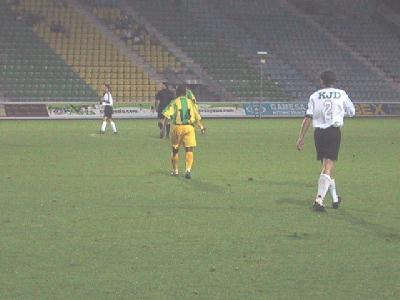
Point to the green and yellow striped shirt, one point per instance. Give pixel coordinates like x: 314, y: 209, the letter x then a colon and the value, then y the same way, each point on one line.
x: 182, y: 111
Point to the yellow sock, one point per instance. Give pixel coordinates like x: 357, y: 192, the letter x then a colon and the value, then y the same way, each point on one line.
x: 175, y: 161
x: 189, y: 160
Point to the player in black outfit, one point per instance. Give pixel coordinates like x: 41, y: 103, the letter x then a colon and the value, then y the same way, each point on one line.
x: 163, y: 98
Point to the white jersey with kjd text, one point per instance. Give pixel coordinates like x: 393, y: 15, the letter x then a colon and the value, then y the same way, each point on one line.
x: 328, y: 107
x: 108, y: 99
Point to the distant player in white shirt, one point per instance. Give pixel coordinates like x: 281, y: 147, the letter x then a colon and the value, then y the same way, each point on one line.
x: 326, y: 109
x: 108, y: 103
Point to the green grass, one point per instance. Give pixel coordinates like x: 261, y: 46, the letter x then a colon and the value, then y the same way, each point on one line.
x: 85, y: 216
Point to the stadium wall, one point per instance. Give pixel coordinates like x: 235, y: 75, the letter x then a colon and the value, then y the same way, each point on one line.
x: 54, y: 111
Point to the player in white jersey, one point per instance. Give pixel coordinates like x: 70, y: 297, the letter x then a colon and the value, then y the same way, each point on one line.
x: 108, y: 103
x: 326, y: 108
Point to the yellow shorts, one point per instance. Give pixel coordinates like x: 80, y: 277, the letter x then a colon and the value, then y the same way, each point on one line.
x: 183, y: 135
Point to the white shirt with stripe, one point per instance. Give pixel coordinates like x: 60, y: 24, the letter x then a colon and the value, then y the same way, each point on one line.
x: 108, y: 99
x: 328, y: 107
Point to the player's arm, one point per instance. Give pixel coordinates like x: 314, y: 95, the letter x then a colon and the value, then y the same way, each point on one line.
x: 201, y: 126
x: 166, y: 116
x: 305, y: 125
x: 349, y: 108
x: 197, y: 119
x: 167, y: 113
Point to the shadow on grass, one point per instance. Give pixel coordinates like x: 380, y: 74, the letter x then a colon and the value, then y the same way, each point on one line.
x: 204, y: 186
x: 302, y: 184
x: 381, y: 231
x: 157, y: 137
x: 294, y: 202
x: 158, y: 172
x: 18, y: 145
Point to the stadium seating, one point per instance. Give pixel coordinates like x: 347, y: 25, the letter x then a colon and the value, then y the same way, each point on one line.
x: 308, y: 50
x: 222, y: 63
x: 136, y: 37
x: 222, y: 36
x: 30, y: 70
x: 90, y: 54
x: 394, y: 4
x: 207, y: 14
x: 362, y: 31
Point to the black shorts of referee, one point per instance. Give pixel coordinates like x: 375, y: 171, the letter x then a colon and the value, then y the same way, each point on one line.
x: 108, y: 111
x: 327, y: 142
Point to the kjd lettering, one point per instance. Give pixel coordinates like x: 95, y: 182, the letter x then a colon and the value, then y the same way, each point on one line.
x: 330, y: 95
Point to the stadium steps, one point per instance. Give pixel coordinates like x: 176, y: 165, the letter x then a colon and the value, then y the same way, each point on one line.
x: 155, y: 49
x: 30, y: 70
x: 88, y: 52
x: 362, y: 33
x: 389, y: 17
x: 210, y: 89
x: 121, y: 23
x: 136, y: 59
x: 222, y: 63
x: 208, y: 14
x: 309, y: 50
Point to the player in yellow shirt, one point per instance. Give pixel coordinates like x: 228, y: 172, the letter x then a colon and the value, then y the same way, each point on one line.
x: 183, y: 115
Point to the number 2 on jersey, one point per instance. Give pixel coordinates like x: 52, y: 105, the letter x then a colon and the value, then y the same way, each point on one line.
x: 328, y: 114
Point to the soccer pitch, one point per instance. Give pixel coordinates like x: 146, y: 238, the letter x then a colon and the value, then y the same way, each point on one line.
x: 89, y: 216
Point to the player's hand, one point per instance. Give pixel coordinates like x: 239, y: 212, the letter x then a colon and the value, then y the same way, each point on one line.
x: 203, y: 130
x: 300, y: 144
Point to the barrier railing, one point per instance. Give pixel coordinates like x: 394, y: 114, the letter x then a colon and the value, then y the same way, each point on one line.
x: 85, y: 110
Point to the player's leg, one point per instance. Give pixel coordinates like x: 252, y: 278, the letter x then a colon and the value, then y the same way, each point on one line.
x: 334, y: 147
x: 110, y: 120
x: 336, y: 199
x: 322, y: 147
x: 106, y: 118
x: 160, y: 124
x: 189, y: 162
x: 327, y: 143
x: 176, y: 140
x: 114, y: 128
x: 328, y: 167
x: 163, y: 133
x: 167, y: 129
x: 103, y: 125
x: 189, y: 141
x: 325, y: 180
x: 175, y: 161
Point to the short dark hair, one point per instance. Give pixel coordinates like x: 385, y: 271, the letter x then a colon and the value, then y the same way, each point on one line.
x: 328, y: 77
x: 181, y: 90
x: 108, y: 86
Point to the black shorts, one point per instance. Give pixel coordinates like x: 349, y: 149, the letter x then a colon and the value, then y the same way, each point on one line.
x: 159, y: 114
x: 327, y: 142
x: 108, y: 111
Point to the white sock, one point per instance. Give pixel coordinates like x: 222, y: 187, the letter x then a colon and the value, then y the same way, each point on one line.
x: 103, y: 126
x: 332, y: 191
x: 114, y: 129
x: 323, y: 185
